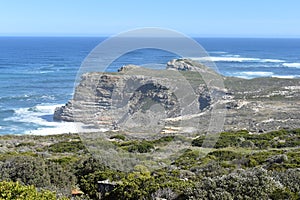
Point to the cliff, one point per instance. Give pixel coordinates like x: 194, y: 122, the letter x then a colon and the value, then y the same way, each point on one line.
x: 136, y: 96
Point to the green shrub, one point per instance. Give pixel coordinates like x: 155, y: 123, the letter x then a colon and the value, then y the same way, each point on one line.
x: 282, y: 194
x: 242, y: 184
x: 16, y: 191
x: 24, y: 144
x: 141, y: 147
x: 118, y: 137
x: 225, y: 139
x: 25, y: 169
x: 12, y: 154
x: 67, y: 147
x: 39, y: 172
x: 66, y: 160
x: 164, y: 139
x: 250, y: 162
x: 136, y: 146
x: 188, y: 159
x: 223, y: 155
x: 273, y: 139
x: 289, y: 178
x: 262, y: 157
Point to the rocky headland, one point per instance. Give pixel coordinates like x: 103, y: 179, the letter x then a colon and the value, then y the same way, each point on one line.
x: 136, y: 96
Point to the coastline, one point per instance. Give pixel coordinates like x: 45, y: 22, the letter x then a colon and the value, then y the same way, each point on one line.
x: 61, y: 127
x: 48, y: 77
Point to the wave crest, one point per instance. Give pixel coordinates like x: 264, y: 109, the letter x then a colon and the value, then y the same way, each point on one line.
x: 236, y: 59
x: 294, y: 65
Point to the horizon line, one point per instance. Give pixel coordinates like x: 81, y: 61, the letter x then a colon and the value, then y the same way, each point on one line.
x: 192, y: 36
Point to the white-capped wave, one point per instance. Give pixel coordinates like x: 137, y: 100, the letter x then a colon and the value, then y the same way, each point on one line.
x: 63, y: 127
x: 50, y: 97
x: 232, y: 56
x: 218, y: 52
x: 258, y: 73
x: 235, y: 58
x: 40, y: 72
x: 273, y: 60
x: 295, y: 65
x: 46, y: 72
x: 41, y: 115
x: 253, y: 74
x: 223, y: 59
x: 284, y: 76
x: 34, y: 114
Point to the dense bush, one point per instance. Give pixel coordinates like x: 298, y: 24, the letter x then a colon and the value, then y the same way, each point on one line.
x: 197, y: 161
x: 138, y: 146
x: 289, y: 178
x: 164, y: 139
x: 25, y: 169
x: 188, y: 159
x: 16, y: 191
x: 39, y: 172
x: 141, y: 184
x: 62, y: 147
x: 89, y: 171
x: 273, y: 159
x: 225, y: 139
x: 118, y: 137
x: 274, y: 139
x: 223, y: 155
x: 268, y: 170
x: 243, y: 184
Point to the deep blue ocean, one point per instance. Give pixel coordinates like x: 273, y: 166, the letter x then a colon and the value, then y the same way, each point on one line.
x: 37, y: 74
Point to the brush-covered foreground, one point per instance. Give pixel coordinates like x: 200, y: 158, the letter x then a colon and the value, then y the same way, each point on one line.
x: 240, y: 166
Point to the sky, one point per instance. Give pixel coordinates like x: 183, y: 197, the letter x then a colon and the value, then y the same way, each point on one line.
x: 206, y: 18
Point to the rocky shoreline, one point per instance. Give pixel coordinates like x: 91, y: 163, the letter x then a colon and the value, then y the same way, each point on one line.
x: 130, y: 97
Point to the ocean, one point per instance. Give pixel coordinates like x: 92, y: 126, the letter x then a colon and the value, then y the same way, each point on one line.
x: 37, y: 74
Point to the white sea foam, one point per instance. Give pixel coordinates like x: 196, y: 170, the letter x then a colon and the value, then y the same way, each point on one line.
x: 295, y: 65
x: 232, y: 56
x: 257, y: 73
x: 46, y: 72
x: 218, y: 52
x: 250, y: 74
x: 41, y: 115
x: 34, y: 114
x: 50, y: 97
x: 284, y: 76
x: 63, y: 127
x: 235, y: 58
x: 243, y: 77
x: 224, y: 59
x: 39, y: 72
x: 273, y: 60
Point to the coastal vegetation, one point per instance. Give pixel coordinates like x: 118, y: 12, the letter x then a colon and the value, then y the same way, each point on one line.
x: 14, y: 190
x: 242, y: 165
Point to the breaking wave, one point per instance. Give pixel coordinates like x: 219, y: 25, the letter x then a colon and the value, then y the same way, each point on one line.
x: 236, y: 59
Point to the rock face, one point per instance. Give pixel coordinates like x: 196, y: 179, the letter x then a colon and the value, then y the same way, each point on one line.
x: 110, y: 99
x: 99, y: 95
x: 181, y: 65
x: 134, y: 96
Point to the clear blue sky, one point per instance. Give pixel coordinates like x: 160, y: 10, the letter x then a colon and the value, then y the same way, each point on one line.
x: 215, y: 18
